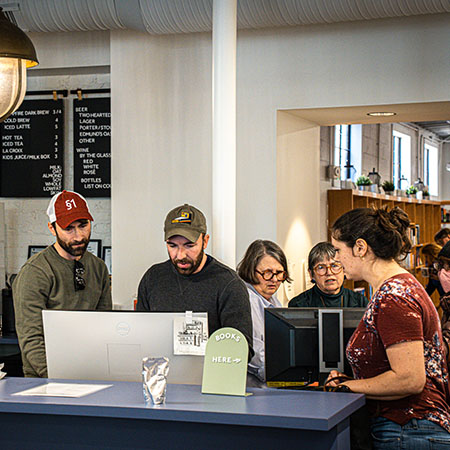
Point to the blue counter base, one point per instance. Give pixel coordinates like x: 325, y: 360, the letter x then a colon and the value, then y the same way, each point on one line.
x: 36, y: 432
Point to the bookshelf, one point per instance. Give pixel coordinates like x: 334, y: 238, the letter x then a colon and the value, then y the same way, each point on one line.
x: 425, y: 217
x: 445, y: 213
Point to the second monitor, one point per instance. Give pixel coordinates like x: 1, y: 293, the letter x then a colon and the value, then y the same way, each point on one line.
x: 303, y: 345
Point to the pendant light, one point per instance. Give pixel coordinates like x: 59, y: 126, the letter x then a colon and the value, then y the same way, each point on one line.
x: 17, y: 53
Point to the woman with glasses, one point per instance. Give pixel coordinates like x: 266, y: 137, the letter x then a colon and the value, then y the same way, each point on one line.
x: 396, y: 352
x: 263, y: 269
x: 328, y: 277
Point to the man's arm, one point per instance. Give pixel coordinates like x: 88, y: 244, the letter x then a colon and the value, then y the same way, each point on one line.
x: 143, y: 300
x: 30, y: 293
x: 105, y: 301
x: 235, y: 311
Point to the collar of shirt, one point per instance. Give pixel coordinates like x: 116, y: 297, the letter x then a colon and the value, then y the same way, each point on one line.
x: 329, y: 296
x: 272, y: 303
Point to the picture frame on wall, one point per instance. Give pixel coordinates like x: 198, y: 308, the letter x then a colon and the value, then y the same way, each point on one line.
x: 107, y: 257
x: 33, y: 249
x: 95, y: 247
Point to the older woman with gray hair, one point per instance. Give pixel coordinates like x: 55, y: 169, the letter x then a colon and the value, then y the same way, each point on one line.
x: 327, y: 275
x: 263, y: 269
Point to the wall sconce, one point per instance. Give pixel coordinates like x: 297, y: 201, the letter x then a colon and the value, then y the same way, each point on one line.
x: 17, y: 53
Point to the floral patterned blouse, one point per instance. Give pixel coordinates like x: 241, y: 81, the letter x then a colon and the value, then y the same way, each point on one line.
x: 401, y: 311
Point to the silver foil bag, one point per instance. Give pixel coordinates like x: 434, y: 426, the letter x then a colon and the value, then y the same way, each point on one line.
x: 154, y: 379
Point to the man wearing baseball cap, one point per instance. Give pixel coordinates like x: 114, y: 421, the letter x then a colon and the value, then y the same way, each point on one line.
x: 191, y: 280
x: 63, y: 276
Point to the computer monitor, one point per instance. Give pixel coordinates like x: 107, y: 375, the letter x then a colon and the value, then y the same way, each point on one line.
x: 303, y: 345
x: 100, y: 345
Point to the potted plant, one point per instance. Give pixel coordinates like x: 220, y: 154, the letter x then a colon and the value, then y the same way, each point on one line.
x: 426, y: 194
x: 363, y: 182
x: 388, y: 187
x: 411, y: 191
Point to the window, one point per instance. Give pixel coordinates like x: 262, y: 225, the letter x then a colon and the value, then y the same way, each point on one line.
x: 401, y: 160
x: 431, y: 169
x: 347, y: 150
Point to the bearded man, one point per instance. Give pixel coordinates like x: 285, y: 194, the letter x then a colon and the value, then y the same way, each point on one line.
x: 63, y: 276
x: 191, y: 280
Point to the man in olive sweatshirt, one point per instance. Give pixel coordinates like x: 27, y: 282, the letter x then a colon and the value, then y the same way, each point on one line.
x: 191, y: 280
x: 63, y: 276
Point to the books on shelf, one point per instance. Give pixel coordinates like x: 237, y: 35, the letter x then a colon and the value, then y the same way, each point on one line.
x: 414, y: 234
x: 412, y: 260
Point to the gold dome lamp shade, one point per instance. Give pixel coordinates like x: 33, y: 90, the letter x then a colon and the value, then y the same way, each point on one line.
x: 17, y: 53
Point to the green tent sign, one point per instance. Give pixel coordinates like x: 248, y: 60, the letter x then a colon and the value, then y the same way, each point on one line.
x: 225, y: 366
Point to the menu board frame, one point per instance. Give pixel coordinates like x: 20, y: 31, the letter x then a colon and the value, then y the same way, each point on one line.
x: 32, y: 145
x: 92, y: 146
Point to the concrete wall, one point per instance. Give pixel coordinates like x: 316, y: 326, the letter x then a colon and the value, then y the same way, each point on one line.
x: 298, y: 193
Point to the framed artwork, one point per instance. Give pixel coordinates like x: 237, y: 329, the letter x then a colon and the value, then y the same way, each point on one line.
x: 95, y: 247
x: 107, y: 258
x: 33, y: 249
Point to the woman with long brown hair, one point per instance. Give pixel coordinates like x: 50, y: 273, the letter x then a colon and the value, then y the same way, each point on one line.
x: 396, y: 352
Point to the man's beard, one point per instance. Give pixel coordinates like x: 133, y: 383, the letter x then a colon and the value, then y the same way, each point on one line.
x: 194, y: 264
x: 79, y: 251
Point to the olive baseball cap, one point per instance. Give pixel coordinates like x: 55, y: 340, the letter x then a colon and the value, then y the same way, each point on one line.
x: 186, y: 221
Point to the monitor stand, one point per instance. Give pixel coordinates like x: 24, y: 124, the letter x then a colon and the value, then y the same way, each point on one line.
x: 331, y: 342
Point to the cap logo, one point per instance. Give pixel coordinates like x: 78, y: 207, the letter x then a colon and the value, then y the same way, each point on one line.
x: 69, y: 204
x: 185, y: 217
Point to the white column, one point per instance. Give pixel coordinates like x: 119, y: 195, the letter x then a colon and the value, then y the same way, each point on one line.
x: 224, y: 131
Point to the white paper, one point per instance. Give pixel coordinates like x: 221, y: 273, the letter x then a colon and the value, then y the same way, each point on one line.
x: 63, y: 390
x: 190, y: 338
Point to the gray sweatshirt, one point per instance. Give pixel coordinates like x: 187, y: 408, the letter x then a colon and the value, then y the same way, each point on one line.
x: 216, y: 289
x: 46, y: 281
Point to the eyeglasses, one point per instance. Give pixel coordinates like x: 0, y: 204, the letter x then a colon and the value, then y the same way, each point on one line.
x: 335, y: 268
x: 267, y: 275
x: 78, y: 272
x: 439, y: 265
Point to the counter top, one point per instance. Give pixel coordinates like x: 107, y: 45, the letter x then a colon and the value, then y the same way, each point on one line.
x: 319, y: 411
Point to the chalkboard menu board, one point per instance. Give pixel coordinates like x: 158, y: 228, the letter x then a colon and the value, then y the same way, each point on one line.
x: 32, y: 142
x: 92, y: 146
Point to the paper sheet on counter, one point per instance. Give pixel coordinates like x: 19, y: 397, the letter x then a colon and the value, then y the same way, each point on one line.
x: 63, y: 390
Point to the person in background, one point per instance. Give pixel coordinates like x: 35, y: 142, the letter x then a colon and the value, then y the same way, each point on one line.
x: 442, y: 236
x: 263, y: 269
x: 442, y: 266
x: 191, y: 280
x: 430, y: 253
x: 328, y: 277
x: 63, y: 276
x: 396, y: 352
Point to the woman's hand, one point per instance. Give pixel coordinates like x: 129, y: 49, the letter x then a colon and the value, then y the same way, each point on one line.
x: 335, y: 378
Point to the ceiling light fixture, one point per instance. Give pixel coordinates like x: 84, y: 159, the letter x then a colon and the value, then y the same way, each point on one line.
x: 381, y: 114
x: 17, y: 53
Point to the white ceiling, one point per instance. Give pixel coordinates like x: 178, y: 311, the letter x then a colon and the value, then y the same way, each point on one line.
x: 188, y: 16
